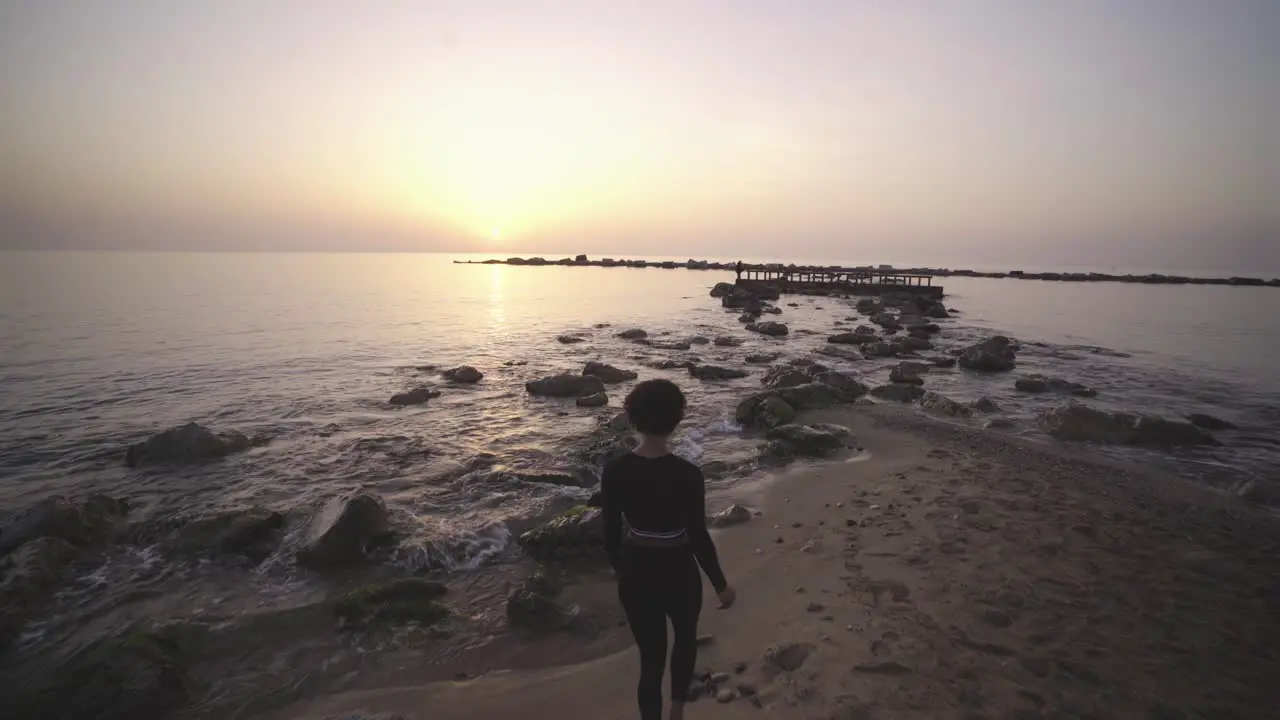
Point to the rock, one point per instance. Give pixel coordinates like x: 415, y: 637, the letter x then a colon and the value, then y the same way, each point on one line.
x: 774, y: 411
x: 727, y: 341
x: 995, y: 354
x: 937, y: 311
x: 853, y: 338
x: 847, y: 388
x: 771, y: 310
x: 186, y: 444
x: 985, y: 405
x: 528, y: 609
x: 898, y: 392
x: 760, y: 358
x: 750, y: 410
x: 943, y: 405
x: 732, y: 515
x: 790, y: 375
x: 670, y: 364
x: 1000, y: 424
x: 914, y: 343
x: 608, y: 373
x: 747, y: 318
x: 35, y: 572
x: 1082, y: 423
x: 337, y: 535
x: 741, y: 298
x: 1209, y: 422
x: 787, y: 657
x: 714, y: 372
x: 595, y: 400
x: 579, y: 531
x: 463, y: 374
x: 1040, y: 384
x: 888, y: 321
x: 94, y: 521
x: 252, y: 532
x: 672, y: 345
x: 1161, y: 432
x: 633, y: 334
x: 565, y: 385
x: 793, y: 440
x: 698, y: 340
x: 943, y: 361
x: 879, y: 350
x: 722, y: 289
x: 725, y: 695
x: 770, y: 328
x: 619, y: 422
x: 869, y: 306
x: 134, y: 675
x: 398, y: 601
x: 570, y: 339
x: 907, y: 373
x: 416, y: 396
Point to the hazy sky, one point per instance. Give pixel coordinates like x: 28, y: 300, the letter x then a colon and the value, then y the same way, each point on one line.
x: 1087, y: 131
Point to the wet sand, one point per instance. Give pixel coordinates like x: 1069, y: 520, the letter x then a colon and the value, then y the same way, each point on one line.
x: 950, y: 574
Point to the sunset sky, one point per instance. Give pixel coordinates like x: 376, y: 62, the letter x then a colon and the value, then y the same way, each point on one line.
x: 1093, y: 131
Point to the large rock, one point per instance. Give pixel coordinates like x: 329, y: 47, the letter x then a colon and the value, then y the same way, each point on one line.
x: 786, y: 442
x: 995, y: 354
x: 35, y: 570
x: 608, y: 373
x: 769, y: 327
x: 853, y: 338
x: 907, y: 373
x: 985, y: 405
x: 722, y: 289
x: 760, y: 358
x: 565, y: 385
x: 570, y: 339
x: 730, y: 516
x: 898, y: 393
x: 880, y: 350
x: 416, y: 396
x: 186, y: 444
x: 715, y: 372
x: 1209, y: 422
x: 633, y: 334
x: 727, y: 341
x: 846, y: 387
x: 1082, y: 423
x: 809, y: 396
x: 943, y: 405
x: 252, y: 533
x: 403, y: 600
x: 1042, y: 384
x: 794, y: 373
x: 869, y: 306
x: 774, y: 411
x: 338, y: 534
x: 591, y: 401
x: 578, y: 532
x: 83, y: 524
x: 463, y: 374
x: 741, y: 298
x: 915, y: 344
x: 888, y: 321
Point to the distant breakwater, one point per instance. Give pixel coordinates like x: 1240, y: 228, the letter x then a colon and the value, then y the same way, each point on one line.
x: 1152, y: 279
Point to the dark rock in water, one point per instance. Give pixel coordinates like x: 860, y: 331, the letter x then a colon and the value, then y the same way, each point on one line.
x: 578, y: 532
x: 992, y: 355
x: 937, y: 311
x: 888, y: 321
x: 732, y: 515
x: 1000, y: 424
x: 35, y: 571
x: 879, y: 350
x: 713, y: 372
x: 727, y: 341
x: 835, y: 351
x: 92, y: 522
x: 760, y: 358
x: 186, y: 444
x: 943, y: 405
x: 672, y: 345
x: 671, y: 364
x: 943, y: 361
x: 252, y: 532
x: 790, y: 375
x: 771, y: 310
x: 338, y: 534
x: 416, y: 396
x: 790, y: 441
x: 898, y: 393
x: 135, y: 675
x: 985, y: 405
x: 853, y: 338
x: 608, y: 373
x: 503, y: 473
x: 404, y: 600
x: 747, y: 318
x: 774, y: 411
x: 847, y: 387
x: 907, y: 373
x: 595, y: 400
x: 463, y: 374
x: 570, y: 339
x: 698, y: 340
x: 565, y: 385
x: 1040, y: 384
x: 633, y: 334
x: 1081, y: 423
x: 770, y: 328
x: 749, y: 411
x: 722, y: 289
x: 1209, y: 422
x: 914, y: 344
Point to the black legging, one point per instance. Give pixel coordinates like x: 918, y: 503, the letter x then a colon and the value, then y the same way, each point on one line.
x: 656, y: 585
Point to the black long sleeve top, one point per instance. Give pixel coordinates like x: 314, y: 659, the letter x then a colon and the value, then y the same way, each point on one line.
x: 661, y: 496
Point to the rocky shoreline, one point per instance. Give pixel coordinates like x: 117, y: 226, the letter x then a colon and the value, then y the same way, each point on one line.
x: 691, y: 264
x: 142, y: 669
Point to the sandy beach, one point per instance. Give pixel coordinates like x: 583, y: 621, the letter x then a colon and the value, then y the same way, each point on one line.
x: 945, y: 573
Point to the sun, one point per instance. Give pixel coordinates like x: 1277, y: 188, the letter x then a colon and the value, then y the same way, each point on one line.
x: 496, y: 233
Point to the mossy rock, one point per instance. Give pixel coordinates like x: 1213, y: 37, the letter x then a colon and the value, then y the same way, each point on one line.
x: 403, y: 600
x: 578, y: 532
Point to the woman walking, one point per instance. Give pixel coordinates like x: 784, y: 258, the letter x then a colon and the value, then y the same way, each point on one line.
x: 656, y: 559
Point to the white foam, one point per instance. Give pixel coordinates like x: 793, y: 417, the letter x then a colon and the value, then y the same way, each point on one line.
x: 467, y: 551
